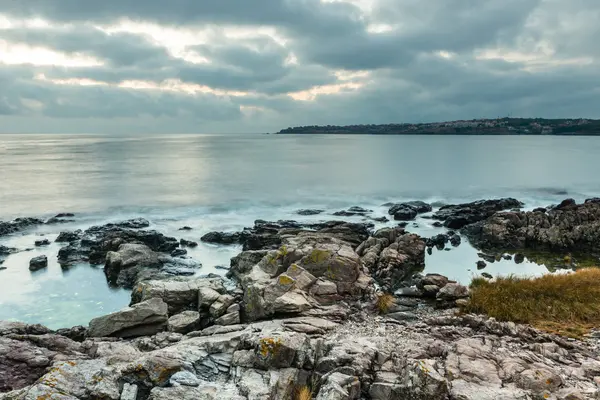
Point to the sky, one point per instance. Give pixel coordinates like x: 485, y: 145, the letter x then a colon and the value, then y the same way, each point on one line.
x: 237, y: 66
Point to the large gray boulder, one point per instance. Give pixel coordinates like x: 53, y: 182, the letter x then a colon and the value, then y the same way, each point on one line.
x: 142, y: 319
x: 123, y: 266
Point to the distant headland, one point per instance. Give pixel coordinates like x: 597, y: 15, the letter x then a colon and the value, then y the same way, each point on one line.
x: 499, y: 126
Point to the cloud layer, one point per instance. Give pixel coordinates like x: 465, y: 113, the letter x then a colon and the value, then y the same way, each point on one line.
x: 240, y: 66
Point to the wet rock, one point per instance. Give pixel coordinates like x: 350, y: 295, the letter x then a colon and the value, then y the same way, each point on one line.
x: 379, y: 219
x: 142, y: 319
x: 223, y: 238
x: 37, y: 263
x: 507, y: 257
x: 570, y: 227
x: 178, y: 252
x: 188, y: 243
x: 405, y: 213
x: 42, y: 242
x: 455, y: 240
x: 458, y: 216
x: 438, y: 241
x: 486, y: 275
x: 487, y: 257
x: 519, y: 258
x: 437, y: 224
x: 309, y: 212
x: 185, y: 228
x: 540, y: 209
x: 61, y: 218
x: 184, y: 322
x: 67, y: 237
x: 136, y: 223
x: 419, y: 207
x: 4, y: 251
x: 352, y: 211
x: 481, y: 264
x: 19, y: 224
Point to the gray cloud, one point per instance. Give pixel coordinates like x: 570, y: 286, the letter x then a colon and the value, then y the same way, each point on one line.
x: 552, y: 44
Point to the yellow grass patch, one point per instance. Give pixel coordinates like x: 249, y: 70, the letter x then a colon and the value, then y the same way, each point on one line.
x: 385, y: 302
x: 564, y: 304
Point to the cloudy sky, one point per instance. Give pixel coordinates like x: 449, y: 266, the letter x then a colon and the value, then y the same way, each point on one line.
x: 262, y: 65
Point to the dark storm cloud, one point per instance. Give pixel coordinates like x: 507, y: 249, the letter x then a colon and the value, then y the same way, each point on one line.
x: 311, y: 17
x: 553, y: 45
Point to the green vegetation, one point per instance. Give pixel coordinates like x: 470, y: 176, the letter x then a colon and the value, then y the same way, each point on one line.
x: 496, y: 126
x: 567, y: 304
x: 385, y: 302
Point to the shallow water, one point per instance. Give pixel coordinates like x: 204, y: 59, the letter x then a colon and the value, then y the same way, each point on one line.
x: 226, y: 182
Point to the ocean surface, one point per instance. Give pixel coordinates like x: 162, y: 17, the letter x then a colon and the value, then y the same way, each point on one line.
x: 225, y: 182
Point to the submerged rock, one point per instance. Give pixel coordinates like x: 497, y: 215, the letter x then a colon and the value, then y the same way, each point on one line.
x: 142, y: 319
x: 19, y: 224
x: 309, y: 212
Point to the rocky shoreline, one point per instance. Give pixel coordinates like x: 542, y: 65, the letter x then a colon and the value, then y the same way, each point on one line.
x: 303, y: 310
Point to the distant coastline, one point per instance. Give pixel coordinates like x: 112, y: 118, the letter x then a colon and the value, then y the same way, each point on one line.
x: 499, y: 126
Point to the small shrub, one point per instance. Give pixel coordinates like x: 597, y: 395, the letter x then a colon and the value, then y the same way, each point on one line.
x: 566, y: 304
x: 385, y: 302
x: 303, y: 393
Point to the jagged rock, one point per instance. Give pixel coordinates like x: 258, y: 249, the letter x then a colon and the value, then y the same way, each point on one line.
x: 67, y: 237
x: 455, y: 240
x: 243, y: 262
x: 230, y: 317
x: 185, y: 322
x: 219, y: 307
x: 129, y: 392
x: 206, y: 297
x: 178, y: 252
x: 188, y: 243
x: 142, y: 319
x: 122, y: 267
x: 404, y: 213
x: 19, y: 224
x: 453, y: 291
x: 481, y: 264
x: 576, y: 227
x: 37, y: 263
x: 458, y: 216
x: 392, y: 256
x: 223, y: 237
x: 323, y: 287
x: 179, y: 294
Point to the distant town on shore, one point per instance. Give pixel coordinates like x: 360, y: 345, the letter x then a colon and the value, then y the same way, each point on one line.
x: 498, y: 126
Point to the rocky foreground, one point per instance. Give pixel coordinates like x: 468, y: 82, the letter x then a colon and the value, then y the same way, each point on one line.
x: 305, y: 310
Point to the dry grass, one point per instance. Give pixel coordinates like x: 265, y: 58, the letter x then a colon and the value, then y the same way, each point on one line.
x: 303, y: 393
x: 564, y: 304
x: 385, y: 302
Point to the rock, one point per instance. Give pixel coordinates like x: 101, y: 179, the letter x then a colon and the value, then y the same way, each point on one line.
x: 433, y: 279
x: 38, y: 263
x: 178, y: 252
x: 439, y: 241
x: 184, y: 378
x: 67, y: 237
x: 570, y: 227
x: 135, y: 223
x: 487, y: 257
x: 453, y: 291
x: 142, y: 319
x: 219, y: 307
x: 185, y: 322
x: 129, y: 392
x: 437, y: 224
x: 403, y: 316
x: 309, y: 212
x: 206, y: 297
x: 379, y: 219
x: 223, y: 237
x: 122, y: 267
x: 486, y: 275
x: 481, y: 264
x: 185, y: 228
x: 230, y: 318
x: 393, y: 259
x: 19, y: 224
x: 323, y: 287
x: 406, y: 213
x: 418, y: 206
x: 519, y: 258
x: 42, y: 242
x: 455, y: 240
x: 243, y: 262
x: 507, y: 257
x: 188, y: 243
x: 352, y: 211
x: 540, y: 209
x: 458, y: 216
x: 179, y: 294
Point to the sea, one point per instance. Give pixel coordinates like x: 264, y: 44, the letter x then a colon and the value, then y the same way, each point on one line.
x: 226, y: 182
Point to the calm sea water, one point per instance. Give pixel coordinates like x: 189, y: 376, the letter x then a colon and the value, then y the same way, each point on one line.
x: 213, y: 182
